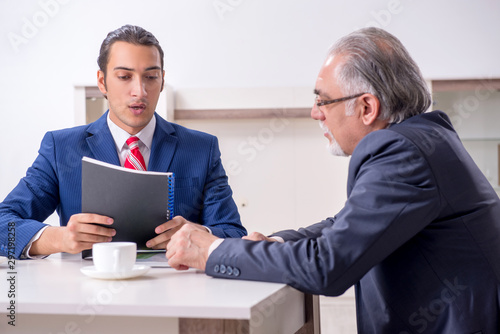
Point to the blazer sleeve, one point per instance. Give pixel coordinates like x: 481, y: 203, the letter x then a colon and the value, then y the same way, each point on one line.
x: 220, y: 212
x: 391, y: 197
x: 32, y: 201
x: 312, y: 231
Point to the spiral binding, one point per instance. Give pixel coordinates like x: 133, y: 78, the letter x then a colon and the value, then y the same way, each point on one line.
x: 171, y: 187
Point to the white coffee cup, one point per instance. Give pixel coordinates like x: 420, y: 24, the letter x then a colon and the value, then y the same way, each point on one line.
x: 114, y: 257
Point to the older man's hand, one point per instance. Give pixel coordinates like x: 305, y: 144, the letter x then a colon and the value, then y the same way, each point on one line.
x: 188, y: 248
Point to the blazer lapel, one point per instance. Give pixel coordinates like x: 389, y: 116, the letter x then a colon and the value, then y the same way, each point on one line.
x: 101, y: 142
x: 163, y: 146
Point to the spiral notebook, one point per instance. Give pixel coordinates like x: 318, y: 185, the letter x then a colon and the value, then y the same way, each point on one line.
x: 138, y: 201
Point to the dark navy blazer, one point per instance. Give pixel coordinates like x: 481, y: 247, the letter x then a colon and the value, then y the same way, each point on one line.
x: 419, y: 237
x: 53, y: 182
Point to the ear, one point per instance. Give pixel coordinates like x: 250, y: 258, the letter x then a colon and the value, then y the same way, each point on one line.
x: 162, y: 81
x: 370, y: 108
x: 101, y: 82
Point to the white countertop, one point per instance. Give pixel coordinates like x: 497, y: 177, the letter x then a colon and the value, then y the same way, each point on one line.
x: 55, y: 285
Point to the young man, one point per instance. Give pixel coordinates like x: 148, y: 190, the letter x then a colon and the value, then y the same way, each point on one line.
x: 419, y: 235
x: 131, y: 76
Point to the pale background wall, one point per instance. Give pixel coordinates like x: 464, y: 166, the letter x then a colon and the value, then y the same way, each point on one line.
x: 50, y: 46
x: 256, y: 44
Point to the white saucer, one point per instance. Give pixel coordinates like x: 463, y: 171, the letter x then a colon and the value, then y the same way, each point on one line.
x: 137, y: 270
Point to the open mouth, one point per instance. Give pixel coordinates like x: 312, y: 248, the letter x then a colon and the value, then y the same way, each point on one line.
x: 137, y: 108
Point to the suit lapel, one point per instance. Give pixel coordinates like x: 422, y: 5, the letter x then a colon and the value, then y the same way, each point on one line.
x: 101, y: 142
x: 163, y: 146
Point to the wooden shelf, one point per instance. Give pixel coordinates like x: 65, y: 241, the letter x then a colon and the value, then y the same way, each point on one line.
x: 480, y: 139
x: 242, y: 113
x: 466, y: 84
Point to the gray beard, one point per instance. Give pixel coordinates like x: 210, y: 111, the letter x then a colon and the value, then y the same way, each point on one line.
x: 333, y: 147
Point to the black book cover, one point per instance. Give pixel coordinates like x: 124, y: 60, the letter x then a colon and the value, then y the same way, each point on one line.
x: 138, y: 201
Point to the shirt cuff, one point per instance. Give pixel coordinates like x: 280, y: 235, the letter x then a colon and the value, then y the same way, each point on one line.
x: 278, y: 239
x: 208, y: 229
x: 214, y: 245
x: 26, y: 250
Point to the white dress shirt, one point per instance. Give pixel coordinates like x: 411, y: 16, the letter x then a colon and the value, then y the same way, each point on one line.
x: 120, y: 137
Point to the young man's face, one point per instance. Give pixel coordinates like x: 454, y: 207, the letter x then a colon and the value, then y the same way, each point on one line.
x: 134, y: 80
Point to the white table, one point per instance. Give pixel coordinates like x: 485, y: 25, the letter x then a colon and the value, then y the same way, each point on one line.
x: 54, y: 297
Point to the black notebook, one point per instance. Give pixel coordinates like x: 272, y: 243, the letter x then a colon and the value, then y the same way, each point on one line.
x: 138, y: 201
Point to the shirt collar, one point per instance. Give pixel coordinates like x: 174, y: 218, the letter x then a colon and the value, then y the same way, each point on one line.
x: 120, y: 136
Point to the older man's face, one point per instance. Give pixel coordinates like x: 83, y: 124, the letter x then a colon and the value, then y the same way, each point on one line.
x: 341, y: 130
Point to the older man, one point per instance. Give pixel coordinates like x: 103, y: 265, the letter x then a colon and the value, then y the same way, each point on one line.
x: 419, y: 235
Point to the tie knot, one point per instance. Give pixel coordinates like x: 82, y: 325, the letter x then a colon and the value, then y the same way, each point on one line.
x: 134, y: 160
x: 133, y: 142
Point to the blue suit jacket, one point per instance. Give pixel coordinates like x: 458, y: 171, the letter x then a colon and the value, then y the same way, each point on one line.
x: 419, y: 236
x: 53, y: 182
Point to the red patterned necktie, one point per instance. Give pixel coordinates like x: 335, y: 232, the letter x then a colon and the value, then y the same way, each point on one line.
x: 135, y: 159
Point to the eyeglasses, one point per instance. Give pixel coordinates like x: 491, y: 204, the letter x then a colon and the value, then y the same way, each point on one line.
x: 321, y: 103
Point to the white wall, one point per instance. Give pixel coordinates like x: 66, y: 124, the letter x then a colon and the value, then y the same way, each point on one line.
x: 49, y: 46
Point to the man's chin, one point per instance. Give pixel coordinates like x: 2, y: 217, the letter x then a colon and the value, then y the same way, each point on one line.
x: 335, y: 150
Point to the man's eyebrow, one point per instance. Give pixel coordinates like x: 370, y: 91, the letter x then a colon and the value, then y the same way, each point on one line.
x: 132, y: 70
x: 122, y: 68
x: 318, y: 93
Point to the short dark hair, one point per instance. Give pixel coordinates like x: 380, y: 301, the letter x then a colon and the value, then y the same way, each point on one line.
x: 376, y: 62
x: 130, y: 34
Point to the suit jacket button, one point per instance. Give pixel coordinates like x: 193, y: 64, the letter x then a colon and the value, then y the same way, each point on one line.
x: 216, y: 268
x: 229, y: 270
x: 222, y: 269
x: 236, y: 272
